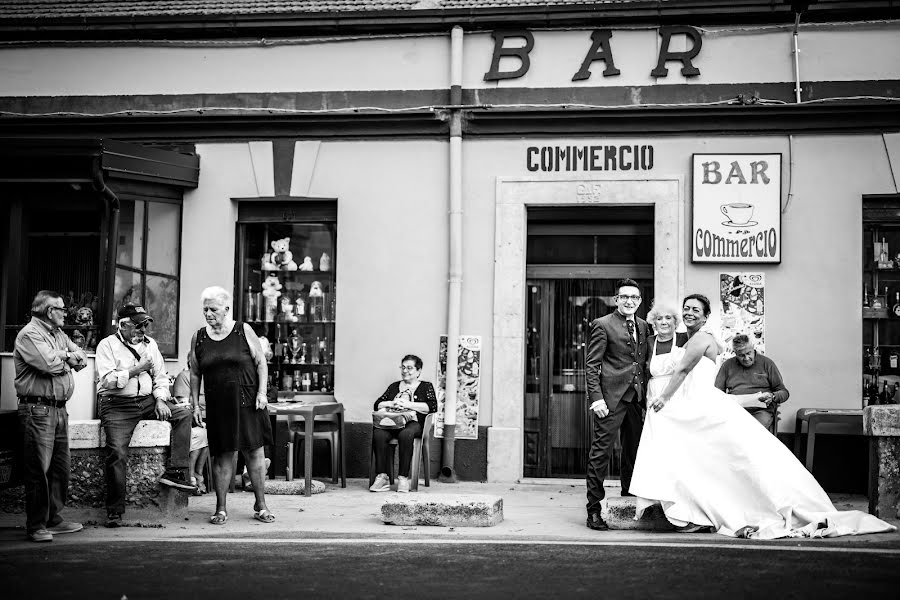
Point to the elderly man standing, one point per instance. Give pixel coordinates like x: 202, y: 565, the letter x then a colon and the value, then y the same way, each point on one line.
x: 44, y: 359
x: 133, y: 384
x: 754, y: 379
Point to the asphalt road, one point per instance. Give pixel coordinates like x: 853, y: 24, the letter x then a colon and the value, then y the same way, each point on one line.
x: 257, y: 569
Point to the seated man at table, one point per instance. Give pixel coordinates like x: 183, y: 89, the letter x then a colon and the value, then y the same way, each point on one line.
x: 753, y: 379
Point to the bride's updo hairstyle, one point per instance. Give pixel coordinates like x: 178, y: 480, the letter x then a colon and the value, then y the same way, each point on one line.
x: 662, y: 308
x: 702, y: 300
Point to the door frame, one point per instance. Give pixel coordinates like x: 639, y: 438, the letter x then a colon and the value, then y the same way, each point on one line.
x: 514, y: 195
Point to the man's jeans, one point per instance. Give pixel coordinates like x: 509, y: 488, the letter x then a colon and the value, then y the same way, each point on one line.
x: 45, y: 432
x: 119, y: 417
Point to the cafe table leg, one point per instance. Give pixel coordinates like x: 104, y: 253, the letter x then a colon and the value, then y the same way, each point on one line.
x: 273, y: 419
x: 343, y: 451
x: 308, y: 424
x: 289, y: 472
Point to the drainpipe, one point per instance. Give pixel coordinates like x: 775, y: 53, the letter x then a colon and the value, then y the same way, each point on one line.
x: 797, y: 57
x: 113, y: 209
x: 454, y: 300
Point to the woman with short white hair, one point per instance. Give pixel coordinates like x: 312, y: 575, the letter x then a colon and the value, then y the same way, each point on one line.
x: 230, y: 362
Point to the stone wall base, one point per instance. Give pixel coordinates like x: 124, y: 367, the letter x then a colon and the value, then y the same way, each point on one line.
x: 884, y: 485
x: 87, y: 484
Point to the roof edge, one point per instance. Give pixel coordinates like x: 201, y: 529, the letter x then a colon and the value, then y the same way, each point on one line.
x: 694, y: 12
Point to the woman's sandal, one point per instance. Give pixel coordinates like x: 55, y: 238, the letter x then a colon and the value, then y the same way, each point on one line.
x: 746, y: 532
x: 219, y: 518
x: 264, y: 516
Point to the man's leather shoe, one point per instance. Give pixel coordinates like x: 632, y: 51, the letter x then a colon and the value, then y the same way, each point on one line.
x: 596, y: 522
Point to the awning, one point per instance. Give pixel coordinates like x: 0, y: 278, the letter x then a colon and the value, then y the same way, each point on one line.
x: 49, y: 160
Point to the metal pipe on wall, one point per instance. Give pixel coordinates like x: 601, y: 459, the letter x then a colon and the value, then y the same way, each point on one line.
x: 797, y: 57
x: 454, y: 298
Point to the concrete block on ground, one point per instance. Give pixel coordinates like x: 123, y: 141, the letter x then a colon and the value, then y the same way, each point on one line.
x: 881, y: 424
x: 84, y: 434
x: 476, y: 510
x: 294, y: 487
x: 619, y: 514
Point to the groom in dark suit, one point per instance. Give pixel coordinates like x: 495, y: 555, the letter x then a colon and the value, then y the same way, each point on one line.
x: 616, y: 366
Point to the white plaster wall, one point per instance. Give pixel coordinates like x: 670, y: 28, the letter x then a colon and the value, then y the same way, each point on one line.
x: 732, y: 55
x: 373, y: 64
x: 208, y: 229
x: 391, y: 258
x: 813, y: 295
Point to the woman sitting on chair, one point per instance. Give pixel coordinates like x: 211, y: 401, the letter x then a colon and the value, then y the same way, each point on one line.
x: 407, y: 394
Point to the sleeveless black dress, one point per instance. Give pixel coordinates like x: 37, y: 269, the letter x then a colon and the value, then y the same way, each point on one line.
x: 230, y: 381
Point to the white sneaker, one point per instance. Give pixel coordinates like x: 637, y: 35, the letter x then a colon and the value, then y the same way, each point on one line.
x: 402, y: 484
x: 382, y: 483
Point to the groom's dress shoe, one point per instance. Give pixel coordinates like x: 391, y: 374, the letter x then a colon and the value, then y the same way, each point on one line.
x: 693, y: 528
x: 596, y: 522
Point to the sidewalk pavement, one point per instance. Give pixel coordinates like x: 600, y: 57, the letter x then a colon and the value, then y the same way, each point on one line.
x: 547, y: 512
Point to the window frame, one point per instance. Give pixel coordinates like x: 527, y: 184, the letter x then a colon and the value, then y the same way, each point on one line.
x: 143, y: 272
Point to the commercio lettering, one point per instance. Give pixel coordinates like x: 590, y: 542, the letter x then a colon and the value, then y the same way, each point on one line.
x: 761, y: 245
x: 590, y: 158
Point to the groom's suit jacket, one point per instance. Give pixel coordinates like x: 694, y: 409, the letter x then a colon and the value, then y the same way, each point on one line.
x: 615, y: 361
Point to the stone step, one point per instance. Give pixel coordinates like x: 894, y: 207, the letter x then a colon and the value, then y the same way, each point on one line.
x: 475, y: 510
x: 619, y: 514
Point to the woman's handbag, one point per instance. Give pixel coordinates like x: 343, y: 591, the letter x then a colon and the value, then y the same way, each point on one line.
x: 386, y: 418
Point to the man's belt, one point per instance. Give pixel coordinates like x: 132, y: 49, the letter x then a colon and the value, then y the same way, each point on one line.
x: 42, y: 400
x: 123, y: 398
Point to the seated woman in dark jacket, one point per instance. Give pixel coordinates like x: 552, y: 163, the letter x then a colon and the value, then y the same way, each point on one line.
x: 410, y: 394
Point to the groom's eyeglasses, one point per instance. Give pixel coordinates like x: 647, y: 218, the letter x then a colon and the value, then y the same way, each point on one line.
x: 625, y: 298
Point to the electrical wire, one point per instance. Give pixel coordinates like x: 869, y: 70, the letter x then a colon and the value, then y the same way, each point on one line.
x: 428, y: 108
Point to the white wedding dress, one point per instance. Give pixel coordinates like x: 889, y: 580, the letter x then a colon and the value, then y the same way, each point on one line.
x: 708, y: 462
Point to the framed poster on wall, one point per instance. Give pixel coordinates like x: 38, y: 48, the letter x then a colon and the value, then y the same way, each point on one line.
x: 743, y: 298
x: 736, y: 208
x: 467, y: 387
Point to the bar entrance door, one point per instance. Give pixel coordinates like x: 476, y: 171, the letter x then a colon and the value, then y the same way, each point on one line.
x: 561, y: 301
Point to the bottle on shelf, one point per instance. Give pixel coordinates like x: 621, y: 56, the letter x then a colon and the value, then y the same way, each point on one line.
x: 883, y: 255
x: 323, y: 380
x: 323, y: 350
x: 876, y: 299
x: 279, y: 345
x: 314, y: 355
x: 287, y: 380
x: 315, y: 380
x: 865, y: 297
x: 304, y: 353
x: 306, y: 383
x: 872, y: 395
x: 885, y: 396
x: 876, y: 359
x: 894, y: 359
x: 887, y: 298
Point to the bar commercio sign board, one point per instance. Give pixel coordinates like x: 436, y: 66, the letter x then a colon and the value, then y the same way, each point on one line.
x: 737, y: 208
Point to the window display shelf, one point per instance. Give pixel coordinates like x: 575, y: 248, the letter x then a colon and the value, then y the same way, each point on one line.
x: 293, y: 309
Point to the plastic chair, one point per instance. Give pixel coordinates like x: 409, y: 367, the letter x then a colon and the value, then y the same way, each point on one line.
x: 421, y: 456
x: 325, y: 427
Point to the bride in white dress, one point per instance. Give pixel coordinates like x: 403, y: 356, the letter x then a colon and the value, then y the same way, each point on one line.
x: 710, y: 464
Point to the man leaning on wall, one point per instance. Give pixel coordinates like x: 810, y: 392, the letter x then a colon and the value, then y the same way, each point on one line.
x: 44, y: 359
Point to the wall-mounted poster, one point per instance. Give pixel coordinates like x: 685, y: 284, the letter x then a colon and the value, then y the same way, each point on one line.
x: 743, y: 297
x: 737, y: 208
x: 467, y: 387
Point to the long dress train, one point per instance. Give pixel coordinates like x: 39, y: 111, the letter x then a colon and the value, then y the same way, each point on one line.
x: 708, y: 462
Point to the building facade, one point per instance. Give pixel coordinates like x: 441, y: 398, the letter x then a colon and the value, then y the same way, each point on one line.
x: 485, y: 172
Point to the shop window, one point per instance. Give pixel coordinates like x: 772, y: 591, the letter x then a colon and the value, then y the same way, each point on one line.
x: 53, y: 241
x: 147, y: 262
x: 287, y: 266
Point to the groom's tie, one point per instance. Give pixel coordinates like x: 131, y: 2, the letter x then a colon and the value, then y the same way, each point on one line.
x: 630, y: 326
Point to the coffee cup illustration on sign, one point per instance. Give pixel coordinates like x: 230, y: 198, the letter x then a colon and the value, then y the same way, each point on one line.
x: 738, y: 213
